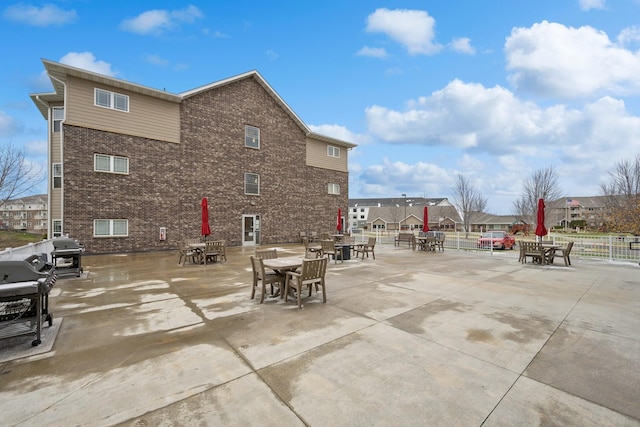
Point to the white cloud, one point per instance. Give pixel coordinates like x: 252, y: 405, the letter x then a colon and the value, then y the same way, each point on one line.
x: 553, y: 60
x: 413, y: 29
x: 87, y: 61
x: 373, y: 52
x: 493, y: 121
x: 463, y: 45
x: 156, y: 60
x: 158, y: 21
x: 39, y: 16
x: 592, y: 4
x: 629, y: 36
x: 8, y: 125
x: 341, y: 133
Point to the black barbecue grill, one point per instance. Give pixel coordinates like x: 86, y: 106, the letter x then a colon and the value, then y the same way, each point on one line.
x: 67, y: 257
x: 25, y: 282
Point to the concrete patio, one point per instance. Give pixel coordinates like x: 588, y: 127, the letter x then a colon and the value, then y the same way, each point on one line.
x: 411, y: 338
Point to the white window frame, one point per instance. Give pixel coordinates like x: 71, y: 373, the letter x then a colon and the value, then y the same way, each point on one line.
x: 252, y: 137
x: 333, y: 188
x: 333, y: 151
x: 56, y: 228
x: 111, y: 227
x: 56, y: 174
x: 113, y: 161
x: 251, y: 176
x: 112, y: 100
x: 57, y: 116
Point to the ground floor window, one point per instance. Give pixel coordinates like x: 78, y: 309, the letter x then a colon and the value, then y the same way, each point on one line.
x: 56, y: 225
x: 110, y: 227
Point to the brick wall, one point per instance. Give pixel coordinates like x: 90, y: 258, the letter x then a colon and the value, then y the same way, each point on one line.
x: 167, y: 181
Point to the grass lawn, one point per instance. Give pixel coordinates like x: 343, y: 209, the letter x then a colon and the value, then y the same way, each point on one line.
x: 14, y: 239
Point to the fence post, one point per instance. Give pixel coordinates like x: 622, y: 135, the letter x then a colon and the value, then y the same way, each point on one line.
x: 610, y: 248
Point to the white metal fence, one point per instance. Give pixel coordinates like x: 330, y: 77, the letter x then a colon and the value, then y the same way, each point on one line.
x: 606, y: 248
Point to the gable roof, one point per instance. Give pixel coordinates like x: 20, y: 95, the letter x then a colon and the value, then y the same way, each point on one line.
x: 58, y: 75
x: 399, y: 201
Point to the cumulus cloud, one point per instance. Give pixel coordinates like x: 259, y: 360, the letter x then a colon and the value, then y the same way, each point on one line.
x: 87, y: 61
x: 463, y: 45
x: 592, y: 4
x: 373, y: 52
x: 39, y: 16
x: 158, y: 21
x: 552, y: 60
x: 629, y: 36
x: 339, y: 132
x: 413, y: 29
x: 492, y: 121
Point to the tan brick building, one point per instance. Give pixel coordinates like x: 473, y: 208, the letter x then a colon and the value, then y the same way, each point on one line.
x: 127, y: 161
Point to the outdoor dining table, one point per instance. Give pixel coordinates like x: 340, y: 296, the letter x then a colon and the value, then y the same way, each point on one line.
x: 198, y: 247
x: 283, y: 264
x: 549, y: 251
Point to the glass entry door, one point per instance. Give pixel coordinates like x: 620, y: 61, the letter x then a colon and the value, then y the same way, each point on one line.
x: 250, y: 230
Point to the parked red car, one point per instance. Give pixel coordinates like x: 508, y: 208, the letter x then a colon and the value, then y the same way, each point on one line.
x: 497, y: 240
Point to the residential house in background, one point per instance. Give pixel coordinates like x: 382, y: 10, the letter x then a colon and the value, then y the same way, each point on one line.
x: 129, y: 165
x: 393, y: 214
x: 590, y: 209
x: 488, y: 222
x: 25, y: 214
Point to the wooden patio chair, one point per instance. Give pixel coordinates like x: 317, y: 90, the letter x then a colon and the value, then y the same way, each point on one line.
x: 210, y: 252
x: 262, y: 279
x: 309, y: 250
x: 365, y: 248
x: 266, y: 253
x: 565, y: 252
x: 221, y: 248
x: 329, y: 248
x: 186, y: 253
x: 312, y: 274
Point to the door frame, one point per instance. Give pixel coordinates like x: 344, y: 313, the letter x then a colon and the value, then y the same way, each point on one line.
x: 254, y: 230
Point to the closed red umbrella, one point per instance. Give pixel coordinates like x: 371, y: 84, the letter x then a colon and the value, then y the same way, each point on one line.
x: 425, y: 219
x: 339, y: 224
x: 205, y: 230
x: 540, y: 230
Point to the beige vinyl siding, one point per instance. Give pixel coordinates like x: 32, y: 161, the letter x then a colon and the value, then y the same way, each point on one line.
x: 148, y: 117
x: 56, y: 152
x: 317, y: 156
x: 55, y: 209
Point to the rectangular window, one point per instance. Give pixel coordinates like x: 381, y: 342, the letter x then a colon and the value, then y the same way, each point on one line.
x: 333, y: 151
x: 251, y: 137
x: 57, y: 227
x: 57, y: 175
x: 111, y: 164
x: 252, y: 184
x: 110, y: 227
x: 115, y: 101
x: 58, y: 117
x: 334, y: 188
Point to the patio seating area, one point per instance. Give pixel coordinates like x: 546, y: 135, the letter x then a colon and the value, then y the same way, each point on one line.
x: 408, y: 338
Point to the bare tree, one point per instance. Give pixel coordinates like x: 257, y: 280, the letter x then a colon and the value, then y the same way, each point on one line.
x: 17, y: 175
x: 468, y: 201
x: 542, y: 184
x: 623, y: 196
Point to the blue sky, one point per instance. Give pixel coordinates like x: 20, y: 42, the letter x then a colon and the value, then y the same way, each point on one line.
x: 490, y: 89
